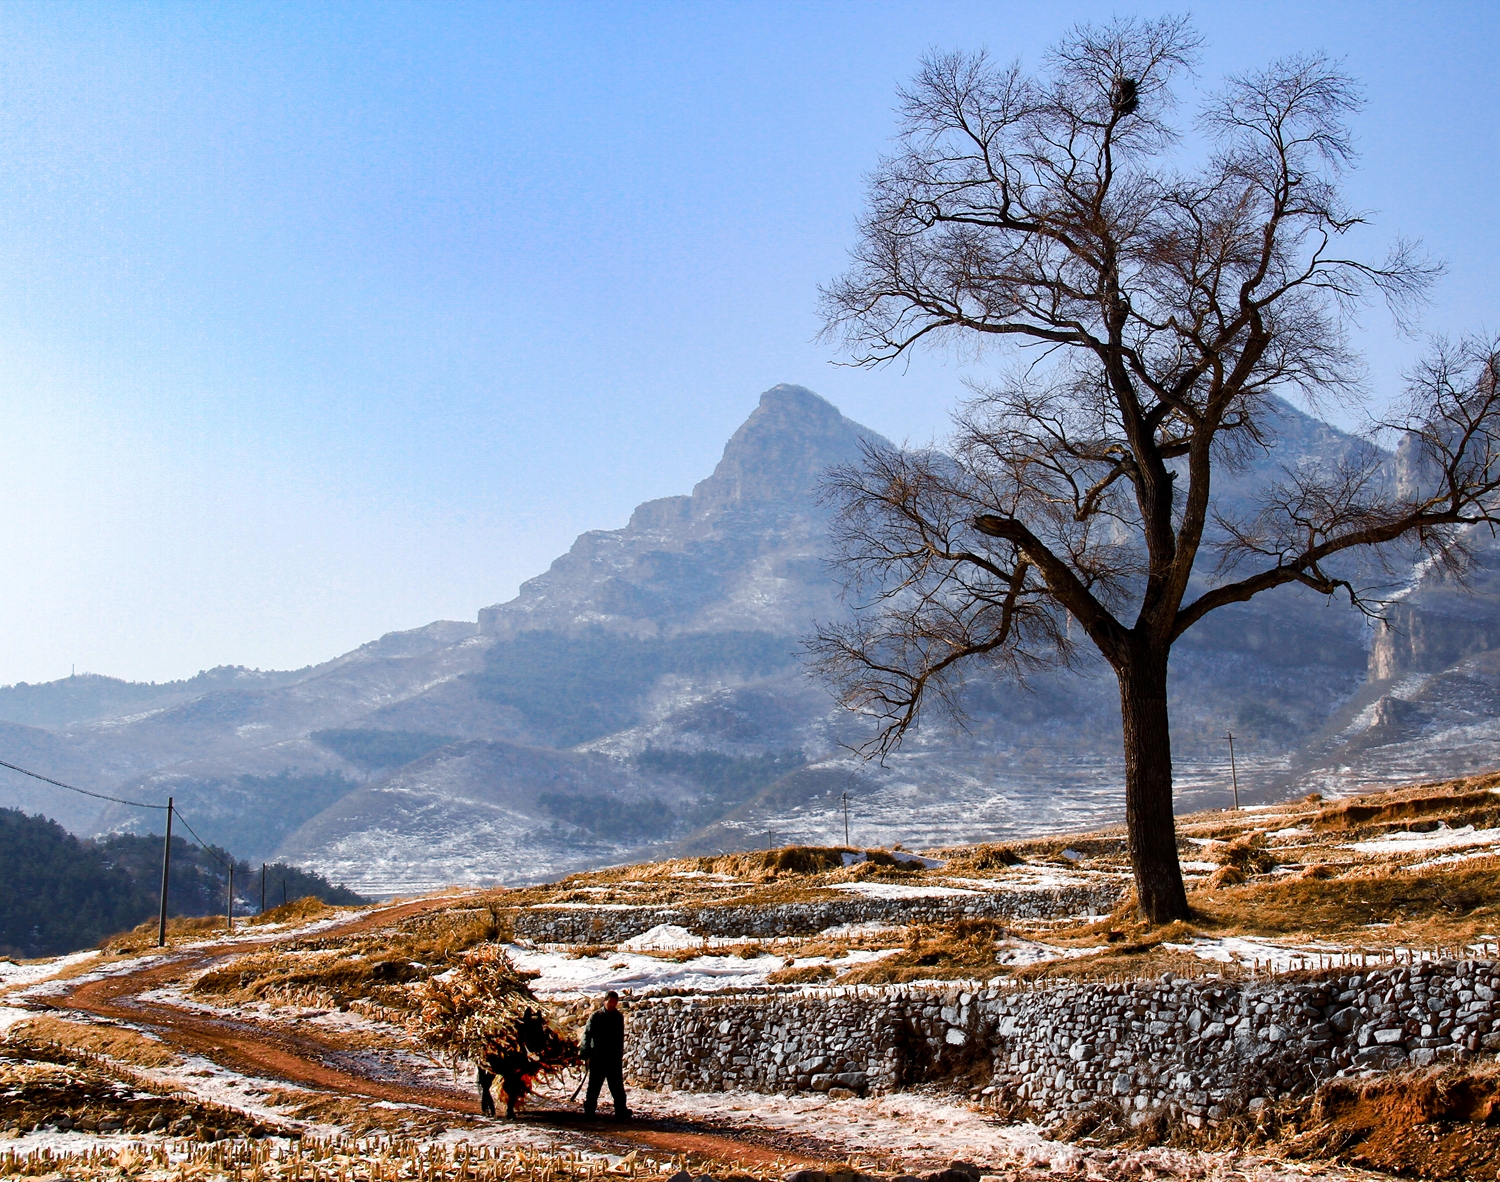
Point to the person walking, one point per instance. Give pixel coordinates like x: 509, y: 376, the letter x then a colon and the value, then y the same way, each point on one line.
x: 486, y: 1078
x: 604, y: 1051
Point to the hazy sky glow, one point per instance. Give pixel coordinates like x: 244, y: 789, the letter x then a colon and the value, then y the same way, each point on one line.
x: 319, y: 322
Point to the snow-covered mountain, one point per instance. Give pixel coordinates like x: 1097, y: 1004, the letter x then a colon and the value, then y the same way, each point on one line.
x: 646, y: 693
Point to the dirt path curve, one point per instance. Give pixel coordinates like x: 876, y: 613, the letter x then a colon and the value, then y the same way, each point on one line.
x: 303, y: 1058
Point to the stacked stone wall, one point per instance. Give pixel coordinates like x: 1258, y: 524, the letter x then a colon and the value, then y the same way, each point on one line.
x: 544, y: 924
x: 1199, y: 1049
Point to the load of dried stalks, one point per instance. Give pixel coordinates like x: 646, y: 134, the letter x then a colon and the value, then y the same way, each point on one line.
x: 484, y: 1012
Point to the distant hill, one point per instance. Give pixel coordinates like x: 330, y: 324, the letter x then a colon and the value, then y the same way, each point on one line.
x: 85, y: 697
x: 62, y: 894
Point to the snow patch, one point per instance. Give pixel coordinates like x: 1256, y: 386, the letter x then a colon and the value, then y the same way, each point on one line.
x: 562, y: 975
x: 1442, y: 838
x: 1018, y: 953
x: 897, y: 890
x: 853, y: 931
x: 1245, y: 951
x: 13, y: 974
x: 665, y: 937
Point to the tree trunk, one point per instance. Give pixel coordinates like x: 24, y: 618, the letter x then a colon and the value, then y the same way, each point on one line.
x: 1151, y: 830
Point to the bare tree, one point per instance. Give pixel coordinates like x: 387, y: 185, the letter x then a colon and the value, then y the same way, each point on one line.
x: 1165, y: 310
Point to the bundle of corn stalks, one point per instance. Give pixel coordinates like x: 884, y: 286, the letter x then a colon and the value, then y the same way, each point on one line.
x: 483, y: 1012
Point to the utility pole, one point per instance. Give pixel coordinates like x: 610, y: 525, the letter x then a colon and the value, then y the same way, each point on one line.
x: 229, y: 910
x: 846, y: 816
x: 262, y: 886
x: 283, y: 892
x: 768, y: 839
x: 1234, y: 775
x: 166, y: 869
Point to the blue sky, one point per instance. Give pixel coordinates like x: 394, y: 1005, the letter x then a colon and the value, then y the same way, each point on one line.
x: 322, y: 321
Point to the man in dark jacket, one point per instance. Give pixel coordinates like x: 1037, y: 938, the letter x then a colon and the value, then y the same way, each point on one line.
x: 604, y: 1050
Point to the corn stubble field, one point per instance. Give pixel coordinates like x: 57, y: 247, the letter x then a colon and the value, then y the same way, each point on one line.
x: 1290, y: 888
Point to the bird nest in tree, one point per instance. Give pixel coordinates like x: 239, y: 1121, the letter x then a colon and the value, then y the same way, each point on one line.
x: 484, y: 1012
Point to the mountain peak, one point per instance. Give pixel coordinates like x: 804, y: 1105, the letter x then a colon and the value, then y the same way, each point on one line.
x: 674, y: 568
x: 781, y: 451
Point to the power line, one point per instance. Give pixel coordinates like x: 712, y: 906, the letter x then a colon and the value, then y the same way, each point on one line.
x: 166, y: 864
x: 203, y: 845
x: 120, y: 800
x: 83, y: 791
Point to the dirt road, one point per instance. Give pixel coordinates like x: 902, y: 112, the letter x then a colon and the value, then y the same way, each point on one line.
x: 303, y: 1058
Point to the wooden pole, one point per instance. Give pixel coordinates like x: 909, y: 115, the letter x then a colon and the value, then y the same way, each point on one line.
x: 1234, y: 775
x: 166, y: 870
x: 229, y: 909
x: 846, y: 816
x: 262, y: 886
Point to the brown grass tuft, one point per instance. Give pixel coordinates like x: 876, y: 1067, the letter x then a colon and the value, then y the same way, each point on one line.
x: 1246, y: 854
x: 1224, y: 876
x: 179, y: 928
x: 308, y: 907
x: 965, y: 949
x: 114, y: 1042
x: 357, y: 1116
x: 983, y: 857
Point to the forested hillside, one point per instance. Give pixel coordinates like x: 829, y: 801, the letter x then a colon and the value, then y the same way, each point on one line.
x: 62, y: 893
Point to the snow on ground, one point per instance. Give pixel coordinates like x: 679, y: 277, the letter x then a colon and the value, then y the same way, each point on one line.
x: 1046, y: 877
x: 18, y: 980
x: 897, y: 890
x: 564, y: 975
x: 1441, y: 838
x: 983, y: 884
x: 1450, y: 859
x: 56, y: 975
x: 1276, y: 956
x: 924, y: 1130
x: 853, y: 931
x: 665, y: 937
x: 1018, y: 953
x: 12, y: 974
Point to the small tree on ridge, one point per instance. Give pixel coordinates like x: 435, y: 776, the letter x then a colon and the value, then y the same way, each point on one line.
x: 1165, y: 310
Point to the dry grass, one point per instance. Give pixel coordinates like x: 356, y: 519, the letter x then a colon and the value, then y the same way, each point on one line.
x: 1471, y: 793
x: 981, y: 858
x: 963, y: 950
x: 805, y: 974
x: 180, y: 929
x: 357, y: 1117
x: 114, y: 1042
x: 297, y: 911
x: 1247, y: 854
x: 1366, y: 910
x: 372, y: 967
x: 1436, y: 906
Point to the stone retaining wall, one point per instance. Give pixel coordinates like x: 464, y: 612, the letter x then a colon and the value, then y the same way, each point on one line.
x: 544, y: 924
x: 1200, y: 1049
